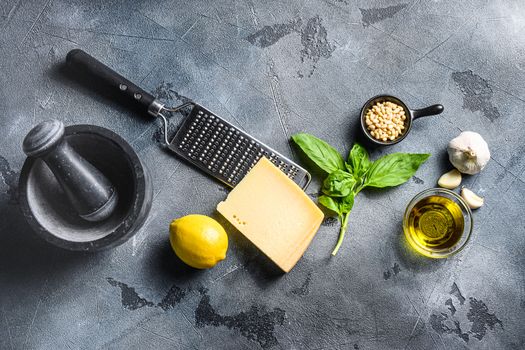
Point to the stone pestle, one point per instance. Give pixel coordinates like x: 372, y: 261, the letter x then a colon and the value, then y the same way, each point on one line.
x: 91, y: 194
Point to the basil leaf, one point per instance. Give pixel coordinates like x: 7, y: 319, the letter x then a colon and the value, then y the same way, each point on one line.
x: 329, y: 203
x: 321, y: 153
x: 346, y: 203
x: 359, y: 161
x: 394, y: 169
x: 339, y: 205
x: 338, y: 184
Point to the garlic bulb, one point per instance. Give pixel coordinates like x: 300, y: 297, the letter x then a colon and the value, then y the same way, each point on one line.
x: 468, y: 152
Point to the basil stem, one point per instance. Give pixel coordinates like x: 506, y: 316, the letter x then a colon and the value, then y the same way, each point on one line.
x: 344, y: 222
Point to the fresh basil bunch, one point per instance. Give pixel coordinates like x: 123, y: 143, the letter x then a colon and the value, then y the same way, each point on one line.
x: 346, y: 179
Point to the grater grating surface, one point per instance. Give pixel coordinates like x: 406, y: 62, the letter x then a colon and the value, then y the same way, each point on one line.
x: 226, y: 152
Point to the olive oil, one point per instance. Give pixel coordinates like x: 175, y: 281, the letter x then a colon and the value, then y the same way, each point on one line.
x: 435, y: 223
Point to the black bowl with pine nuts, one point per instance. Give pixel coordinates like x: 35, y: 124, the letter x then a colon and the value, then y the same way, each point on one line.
x: 386, y: 120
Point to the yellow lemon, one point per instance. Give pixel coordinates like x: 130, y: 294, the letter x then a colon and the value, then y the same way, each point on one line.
x: 198, y: 240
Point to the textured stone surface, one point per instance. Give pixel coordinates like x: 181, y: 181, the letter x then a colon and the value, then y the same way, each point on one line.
x: 273, y: 68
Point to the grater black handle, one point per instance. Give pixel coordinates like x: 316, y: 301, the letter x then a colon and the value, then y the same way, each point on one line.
x: 86, y: 63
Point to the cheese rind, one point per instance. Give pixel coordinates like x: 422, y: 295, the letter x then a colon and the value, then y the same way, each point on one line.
x: 274, y: 213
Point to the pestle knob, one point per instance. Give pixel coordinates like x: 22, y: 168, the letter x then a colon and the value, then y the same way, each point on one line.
x: 89, y: 191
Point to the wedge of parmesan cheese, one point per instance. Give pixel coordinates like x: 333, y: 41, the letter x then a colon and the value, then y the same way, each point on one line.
x: 274, y: 213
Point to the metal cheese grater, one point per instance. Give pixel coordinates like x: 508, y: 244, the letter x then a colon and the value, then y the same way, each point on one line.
x: 204, y: 139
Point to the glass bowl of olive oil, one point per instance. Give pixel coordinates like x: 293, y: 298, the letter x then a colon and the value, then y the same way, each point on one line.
x: 437, y: 223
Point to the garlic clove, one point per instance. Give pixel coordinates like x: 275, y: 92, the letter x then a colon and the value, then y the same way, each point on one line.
x: 450, y: 180
x: 473, y: 200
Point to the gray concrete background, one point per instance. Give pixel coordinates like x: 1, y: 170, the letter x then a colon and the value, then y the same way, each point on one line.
x: 273, y: 68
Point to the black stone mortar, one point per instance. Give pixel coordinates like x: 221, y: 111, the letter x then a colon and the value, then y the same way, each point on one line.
x: 49, y: 213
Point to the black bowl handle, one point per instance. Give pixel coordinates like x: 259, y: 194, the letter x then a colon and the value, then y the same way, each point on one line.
x: 425, y: 112
x: 87, y: 64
